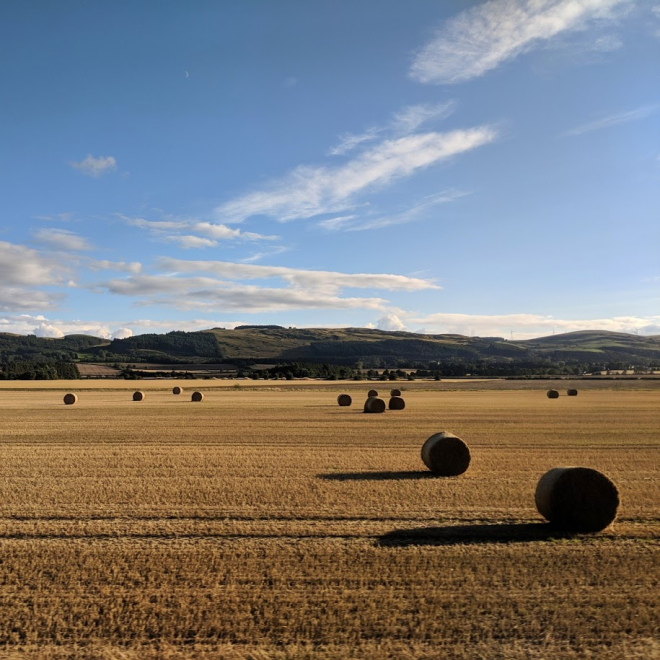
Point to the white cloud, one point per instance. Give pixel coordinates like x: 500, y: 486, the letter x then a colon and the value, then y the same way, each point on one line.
x: 390, y: 322
x: 211, y: 295
x: 311, y: 191
x: 188, y: 241
x: 525, y: 326
x: 40, y: 326
x: 613, y: 120
x: 62, y: 239
x: 47, y: 330
x: 95, y: 167
x: 122, y: 333
x: 23, y: 266
x: 215, y: 285
x: 212, y: 232
x: 22, y: 269
x: 295, y: 277
x: 481, y: 38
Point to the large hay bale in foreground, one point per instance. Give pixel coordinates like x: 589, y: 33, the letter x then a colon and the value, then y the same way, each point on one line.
x: 374, y: 405
x: 177, y: 390
x: 197, y: 396
x: 344, y: 400
x: 446, y: 454
x: 395, y: 393
x: 571, y: 392
x: 138, y: 396
x: 70, y: 399
x: 371, y: 393
x: 577, y: 498
x: 396, y: 403
x: 553, y: 394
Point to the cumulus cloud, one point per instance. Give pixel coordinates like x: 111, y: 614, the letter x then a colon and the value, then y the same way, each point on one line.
x: 47, y: 330
x: 122, y: 333
x: 62, y: 239
x: 390, y: 322
x: 95, y: 167
x: 481, y: 38
x: 310, y: 191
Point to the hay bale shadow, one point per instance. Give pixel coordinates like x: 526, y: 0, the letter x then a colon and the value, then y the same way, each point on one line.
x: 473, y: 534
x: 378, y: 476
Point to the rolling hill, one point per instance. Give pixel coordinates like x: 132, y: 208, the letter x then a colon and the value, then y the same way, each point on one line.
x: 338, y: 346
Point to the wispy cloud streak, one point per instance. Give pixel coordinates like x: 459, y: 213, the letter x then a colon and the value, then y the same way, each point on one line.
x: 310, y: 191
x: 478, y: 40
x: 613, y: 120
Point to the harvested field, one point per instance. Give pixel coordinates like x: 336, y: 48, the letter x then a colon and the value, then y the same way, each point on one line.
x: 273, y: 523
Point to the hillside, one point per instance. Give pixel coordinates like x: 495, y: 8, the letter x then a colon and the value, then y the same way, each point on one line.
x: 339, y: 346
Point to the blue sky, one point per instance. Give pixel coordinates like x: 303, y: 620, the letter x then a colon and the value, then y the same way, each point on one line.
x: 481, y: 168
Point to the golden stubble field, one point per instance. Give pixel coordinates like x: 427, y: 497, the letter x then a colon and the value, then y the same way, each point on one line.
x: 268, y: 522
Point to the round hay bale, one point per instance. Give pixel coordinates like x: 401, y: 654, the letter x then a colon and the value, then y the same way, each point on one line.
x: 395, y: 393
x: 138, y: 396
x: 344, y: 400
x: 197, y: 396
x: 553, y: 394
x: 70, y: 399
x: 577, y: 498
x: 397, y: 403
x: 371, y: 393
x: 374, y: 405
x: 177, y: 390
x: 446, y: 454
x: 571, y: 392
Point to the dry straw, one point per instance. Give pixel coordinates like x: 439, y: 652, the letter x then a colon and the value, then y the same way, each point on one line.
x: 395, y: 393
x: 197, y: 396
x: 577, y: 498
x: 177, y: 390
x: 138, y: 396
x: 371, y: 393
x: 344, y: 400
x: 571, y: 392
x: 374, y: 405
x: 553, y: 394
x: 70, y: 399
x: 397, y: 403
x: 446, y: 454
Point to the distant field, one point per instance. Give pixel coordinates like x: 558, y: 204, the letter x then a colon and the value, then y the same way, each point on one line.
x: 351, y: 386
x: 267, y: 522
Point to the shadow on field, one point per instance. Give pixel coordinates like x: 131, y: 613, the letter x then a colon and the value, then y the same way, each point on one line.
x: 473, y: 534
x: 378, y: 476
